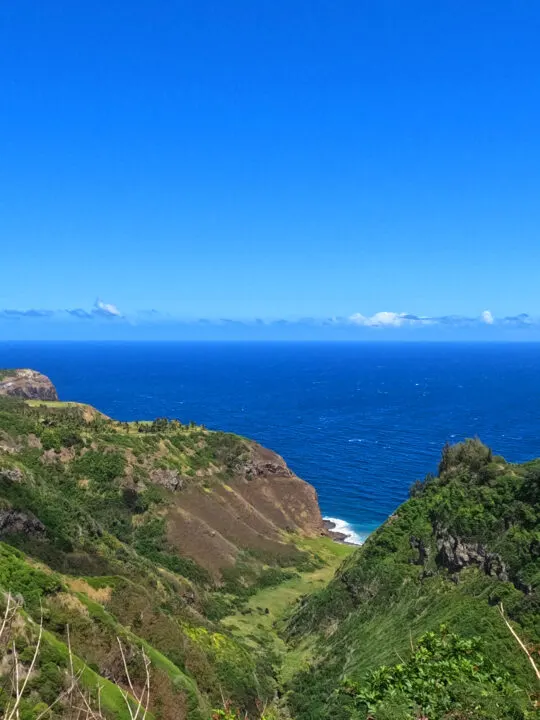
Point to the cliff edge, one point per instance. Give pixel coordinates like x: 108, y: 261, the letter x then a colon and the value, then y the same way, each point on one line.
x: 147, y: 534
x: 215, y: 496
x: 28, y: 384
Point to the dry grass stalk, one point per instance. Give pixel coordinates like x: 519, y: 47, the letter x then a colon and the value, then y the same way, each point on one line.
x: 80, y: 705
x: 520, y: 642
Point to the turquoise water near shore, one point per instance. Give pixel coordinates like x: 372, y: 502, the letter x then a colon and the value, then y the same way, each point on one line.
x: 361, y: 422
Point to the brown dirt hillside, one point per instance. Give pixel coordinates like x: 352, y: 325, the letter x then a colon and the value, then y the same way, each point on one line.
x: 254, y: 510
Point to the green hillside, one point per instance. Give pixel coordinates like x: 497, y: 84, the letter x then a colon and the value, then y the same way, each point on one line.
x: 465, y: 544
x: 86, y: 511
x: 161, y: 570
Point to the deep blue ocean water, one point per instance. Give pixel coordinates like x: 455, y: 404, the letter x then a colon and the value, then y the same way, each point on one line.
x: 360, y: 422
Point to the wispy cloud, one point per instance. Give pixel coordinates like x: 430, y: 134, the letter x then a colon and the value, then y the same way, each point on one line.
x: 522, y: 320
x: 397, y: 320
x: 100, y: 309
x: 388, y: 319
x: 32, y: 313
x: 105, y: 309
x: 356, y: 323
x: 80, y: 313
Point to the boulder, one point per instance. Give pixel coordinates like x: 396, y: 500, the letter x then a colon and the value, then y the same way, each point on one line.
x: 15, y: 521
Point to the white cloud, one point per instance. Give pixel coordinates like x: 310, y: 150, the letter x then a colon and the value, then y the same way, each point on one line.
x: 106, y: 309
x: 389, y: 319
x: 380, y: 319
x: 395, y: 320
x: 487, y: 317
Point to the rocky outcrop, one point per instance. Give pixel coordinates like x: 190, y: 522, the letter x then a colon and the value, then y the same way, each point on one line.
x: 169, y: 479
x: 262, y: 463
x: 27, y: 384
x: 12, y: 475
x: 15, y: 521
x: 456, y: 554
x: 423, y: 550
x: 330, y: 527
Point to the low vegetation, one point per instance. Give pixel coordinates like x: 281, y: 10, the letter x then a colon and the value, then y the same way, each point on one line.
x: 466, y: 541
x: 86, y: 553
x: 107, y: 614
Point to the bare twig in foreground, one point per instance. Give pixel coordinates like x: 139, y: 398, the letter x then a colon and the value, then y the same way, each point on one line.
x: 521, y: 644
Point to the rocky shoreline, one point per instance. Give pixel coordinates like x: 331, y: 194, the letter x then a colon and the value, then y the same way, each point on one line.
x: 335, y: 534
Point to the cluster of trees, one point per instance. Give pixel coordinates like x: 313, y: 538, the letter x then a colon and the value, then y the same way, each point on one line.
x: 161, y: 425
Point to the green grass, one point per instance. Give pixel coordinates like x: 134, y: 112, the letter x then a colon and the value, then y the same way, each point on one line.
x: 112, y: 699
x: 54, y: 403
x: 406, y: 581
x: 262, y: 619
x: 385, y: 635
x: 179, y: 679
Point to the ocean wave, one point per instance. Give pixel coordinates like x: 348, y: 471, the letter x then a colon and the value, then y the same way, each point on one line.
x: 342, y: 526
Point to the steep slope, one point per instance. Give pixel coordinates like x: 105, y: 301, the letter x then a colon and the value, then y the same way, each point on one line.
x: 147, y: 533
x: 161, y: 555
x: 27, y: 384
x: 464, y: 543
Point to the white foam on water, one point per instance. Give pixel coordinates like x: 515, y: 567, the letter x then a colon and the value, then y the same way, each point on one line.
x: 342, y: 526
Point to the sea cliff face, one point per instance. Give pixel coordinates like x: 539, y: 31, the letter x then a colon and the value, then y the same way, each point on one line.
x: 28, y: 384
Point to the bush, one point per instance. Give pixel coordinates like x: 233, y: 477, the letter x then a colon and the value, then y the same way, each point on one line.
x: 445, y: 673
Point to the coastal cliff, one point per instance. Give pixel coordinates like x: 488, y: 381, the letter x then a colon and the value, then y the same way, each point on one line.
x: 195, y: 562
x: 27, y: 384
x: 150, y: 532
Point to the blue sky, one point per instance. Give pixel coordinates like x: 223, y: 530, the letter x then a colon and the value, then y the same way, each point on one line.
x: 271, y: 160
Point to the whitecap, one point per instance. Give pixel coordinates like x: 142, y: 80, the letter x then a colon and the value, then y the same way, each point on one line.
x: 342, y: 526
x: 359, y: 440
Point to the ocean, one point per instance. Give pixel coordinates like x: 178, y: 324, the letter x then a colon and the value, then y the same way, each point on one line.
x: 361, y: 422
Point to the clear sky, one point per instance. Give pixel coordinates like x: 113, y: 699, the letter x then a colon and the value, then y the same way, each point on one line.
x: 269, y: 159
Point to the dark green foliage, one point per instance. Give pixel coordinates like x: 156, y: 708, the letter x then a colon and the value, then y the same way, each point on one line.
x: 150, y: 541
x: 246, y: 578
x: 402, y: 583
x: 91, y: 482
x: 101, y: 467
x: 24, y: 580
x: 472, y: 455
x: 445, y: 675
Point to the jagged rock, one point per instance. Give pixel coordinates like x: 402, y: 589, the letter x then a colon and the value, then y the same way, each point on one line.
x: 455, y: 555
x: 28, y: 384
x: 15, y: 521
x: 170, y: 479
x: 264, y: 462
x: 526, y: 588
x: 15, y: 474
x: 423, y: 550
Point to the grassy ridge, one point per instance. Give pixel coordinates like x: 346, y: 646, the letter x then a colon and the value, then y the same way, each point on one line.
x: 408, y: 627
x: 85, y: 538
x: 466, y: 541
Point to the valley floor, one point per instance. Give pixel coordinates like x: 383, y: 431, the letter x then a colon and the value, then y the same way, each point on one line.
x: 261, y: 621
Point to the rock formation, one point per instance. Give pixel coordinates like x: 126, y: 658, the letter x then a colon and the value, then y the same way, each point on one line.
x: 27, y: 384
